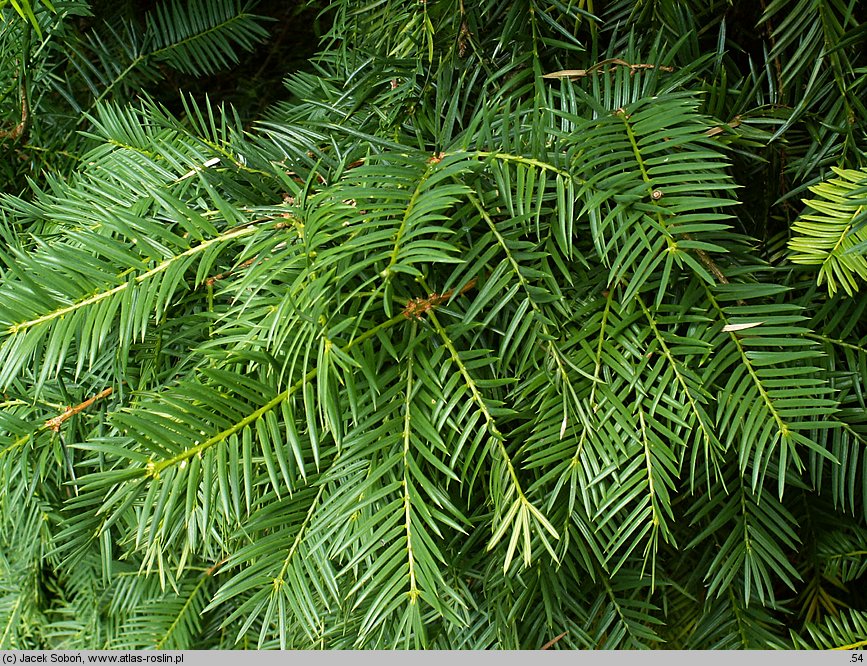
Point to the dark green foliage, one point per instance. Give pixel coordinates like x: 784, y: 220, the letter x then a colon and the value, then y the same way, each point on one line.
x: 508, y: 323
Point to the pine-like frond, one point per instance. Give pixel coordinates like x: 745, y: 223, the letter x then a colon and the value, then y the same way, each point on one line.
x: 202, y: 37
x: 843, y: 632
x: 831, y: 235
x: 652, y: 186
x: 484, y: 337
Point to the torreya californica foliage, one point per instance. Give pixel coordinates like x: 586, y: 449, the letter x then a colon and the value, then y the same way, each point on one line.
x: 518, y: 323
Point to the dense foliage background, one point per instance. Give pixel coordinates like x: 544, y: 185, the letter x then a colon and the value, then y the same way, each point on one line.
x: 501, y: 324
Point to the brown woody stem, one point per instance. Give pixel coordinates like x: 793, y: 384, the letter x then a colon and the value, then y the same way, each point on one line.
x: 55, y: 423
